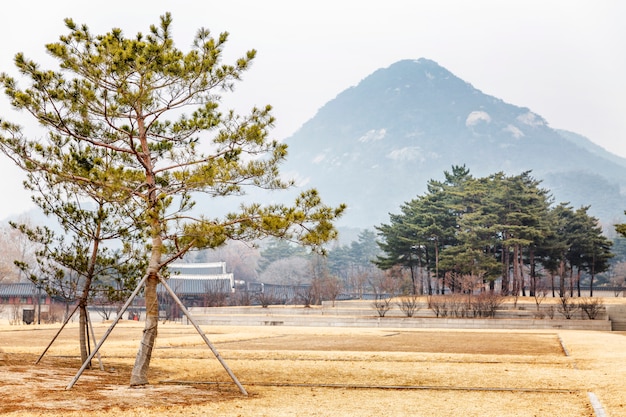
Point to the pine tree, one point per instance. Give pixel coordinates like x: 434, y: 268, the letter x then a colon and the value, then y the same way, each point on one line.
x: 151, y: 111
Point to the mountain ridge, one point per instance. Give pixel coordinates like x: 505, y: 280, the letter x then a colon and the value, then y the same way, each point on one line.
x: 376, y: 144
x: 586, y: 143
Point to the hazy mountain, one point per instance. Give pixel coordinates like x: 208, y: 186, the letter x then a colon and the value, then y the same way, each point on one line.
x: 377, y: 144
x: 587, y: 144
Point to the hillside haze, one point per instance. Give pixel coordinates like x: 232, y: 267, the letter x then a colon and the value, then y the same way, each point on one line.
x: 377, y: 144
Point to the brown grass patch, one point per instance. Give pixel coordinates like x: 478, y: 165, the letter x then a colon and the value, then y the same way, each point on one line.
x: 317, y: 372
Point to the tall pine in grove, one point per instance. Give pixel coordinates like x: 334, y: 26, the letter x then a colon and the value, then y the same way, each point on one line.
x: 152, y: 112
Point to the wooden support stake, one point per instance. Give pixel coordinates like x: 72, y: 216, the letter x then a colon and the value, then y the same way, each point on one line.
x: 57, y: 335
x: 108, y: 332
x: 203, y: 335
x: 93, y: 337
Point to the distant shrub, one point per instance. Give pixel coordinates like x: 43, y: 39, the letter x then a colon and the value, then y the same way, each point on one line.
x: 591, y: 306
x: 486, y: 303
x: 382, y: 305
x: 438, y: 304
x: 567, y: 307
x: 409, y: 305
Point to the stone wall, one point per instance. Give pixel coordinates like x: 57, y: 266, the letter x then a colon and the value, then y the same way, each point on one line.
x: 363, y: 314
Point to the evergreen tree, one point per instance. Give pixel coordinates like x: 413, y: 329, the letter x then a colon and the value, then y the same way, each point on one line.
x: 399, y: 244
x: 472, y: 255
x: 78, y: 263
x: 521, y: 207
x: 354, y: 263
x: 111, y: 100
x: 278, y: 249
x: 590, y: 250
x: 428, y: 223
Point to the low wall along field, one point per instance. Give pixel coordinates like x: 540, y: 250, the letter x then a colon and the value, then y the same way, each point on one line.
x: 512, y: 314
x: 319, y: 371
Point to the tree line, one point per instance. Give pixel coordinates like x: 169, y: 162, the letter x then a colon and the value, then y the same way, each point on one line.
x: 471, y: 233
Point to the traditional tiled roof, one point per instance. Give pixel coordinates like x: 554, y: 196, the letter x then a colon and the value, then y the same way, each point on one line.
x: 183, y: 286
x: 21, y: 289
x: 197, y: 269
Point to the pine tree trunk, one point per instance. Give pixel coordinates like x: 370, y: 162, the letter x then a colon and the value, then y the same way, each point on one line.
x: 505, y: 271
x: 562, y: 279
x: 533, y: 276
x: 413, y: 283
x: 571, y: 281
x: 139, y: 375
x: 522, y: 279
x: 436, y: 267
x: 82, y: 334
x: 516, y: 277
x: 593, y: 274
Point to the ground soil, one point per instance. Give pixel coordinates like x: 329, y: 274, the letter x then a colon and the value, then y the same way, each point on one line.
x: 293, y: 371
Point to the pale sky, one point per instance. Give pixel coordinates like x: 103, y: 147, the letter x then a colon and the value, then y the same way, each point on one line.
x: 564, y: 60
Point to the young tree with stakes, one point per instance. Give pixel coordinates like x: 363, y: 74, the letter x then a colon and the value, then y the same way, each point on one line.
x: 79, y: 257
x: 112, y: 97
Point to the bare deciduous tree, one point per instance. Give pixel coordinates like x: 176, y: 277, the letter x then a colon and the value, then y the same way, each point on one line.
x: 266, y: 299
x: 618, y: 278
x: 591, y: 306
x: 241, y: 259
x: 541, y: 291
x: 438, y: 304
x: 487, y: 303
x: 331, y: 287
x: 567, y: 306
x: 15, y: 246
x: 409, y: 304
x: 290, y: 271
x: 382, y: 304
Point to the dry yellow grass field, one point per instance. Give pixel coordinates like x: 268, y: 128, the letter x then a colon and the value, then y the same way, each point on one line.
x: 297, y: 371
